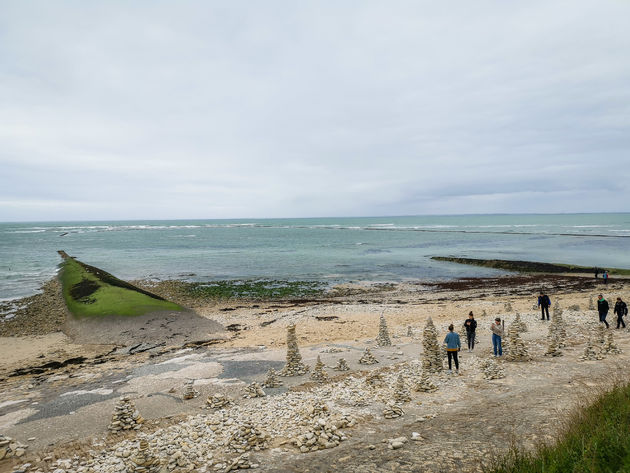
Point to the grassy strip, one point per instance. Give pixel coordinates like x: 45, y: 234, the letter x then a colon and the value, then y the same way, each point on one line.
x: 89, y: 292
x: 255, y: 289
x: 530, y: 266
x: 597, y: 439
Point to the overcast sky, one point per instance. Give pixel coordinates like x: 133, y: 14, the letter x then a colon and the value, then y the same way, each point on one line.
x: 207, y: 109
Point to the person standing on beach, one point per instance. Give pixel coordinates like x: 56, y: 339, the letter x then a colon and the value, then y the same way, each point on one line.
x: 605, y: 276
x: 453, y: 345
x: 621, y: 309
x: 602, y: 308
x: 471, y: 325
x: 596, y: 273
x: 497, y: 335
x: 544, y: 302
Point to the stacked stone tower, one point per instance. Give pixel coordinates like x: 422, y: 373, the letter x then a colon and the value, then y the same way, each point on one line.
x: 294, y: 366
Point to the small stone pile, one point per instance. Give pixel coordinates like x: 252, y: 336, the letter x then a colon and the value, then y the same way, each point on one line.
x: 601, y: 334
x: 189, y: 390
x: 556, y: 306
x: 367, y: 358
x: 144, y: 461
x: 508, y: 307
x: 375, y: 379
x: 463, y: 335
x: 319, y: 374
x: 574, y: 307
x: 425, y: 385
x: 491, y: 369
x: 246, y: 437
x: 610, y: 347
x: 519, y: 324
x: 409, y: 331
x: 431, y: 356
x: 590, y: 354
x: 517, y: 351
x: 392, y: 411
x: 553, y: 345
x: 401, y: 392
x: 9, y: 448
x: 316, y: 410
x: 484, y: 313
x: 253, y: 390
x: 332, y: 350
x: 218, y: 401
x: 323, y: 434
x: 294, y: 366
x: 240, y: 463
x: 342, y: 365
x: 126, y: 416
x: 383, y: 334
x: 272, y: 380
x: 559, y: 328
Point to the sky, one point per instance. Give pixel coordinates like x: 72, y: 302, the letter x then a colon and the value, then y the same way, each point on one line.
x: 238, y: 109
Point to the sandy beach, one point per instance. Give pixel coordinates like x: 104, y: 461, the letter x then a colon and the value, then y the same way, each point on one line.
x: 58, y: 396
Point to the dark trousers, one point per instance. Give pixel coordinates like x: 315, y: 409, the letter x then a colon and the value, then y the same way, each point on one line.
x: 452, y: 355
x: 620, y: 321
x: 470, y: 337
x: 543, y: 309
x: 602, y: 318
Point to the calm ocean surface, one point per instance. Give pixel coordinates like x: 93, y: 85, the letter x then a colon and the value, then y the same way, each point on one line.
x: 329, y: 249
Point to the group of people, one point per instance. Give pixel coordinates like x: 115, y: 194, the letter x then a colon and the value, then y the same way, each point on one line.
x: 604, y: 274
x: 620, y: 310
x: 453, y: 342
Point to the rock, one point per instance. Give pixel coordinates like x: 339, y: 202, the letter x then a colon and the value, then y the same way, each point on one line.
x: 144, y: 461
x: 342, y: 365
x: 218, y: 401
x: 392, y: 411
x: 189, y: 390
x: 254, y: 390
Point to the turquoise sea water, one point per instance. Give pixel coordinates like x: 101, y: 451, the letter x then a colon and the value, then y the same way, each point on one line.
x: 329, y: 249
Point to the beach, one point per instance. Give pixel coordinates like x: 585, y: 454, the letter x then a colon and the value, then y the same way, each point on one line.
x: 59, y: 395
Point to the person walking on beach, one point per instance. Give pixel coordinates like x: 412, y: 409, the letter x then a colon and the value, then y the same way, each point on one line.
x: 471, y: 325
x: 544, y: 302
x: 497, y: 334
x: 605, y: 276
x: 453, y: 345
x: 602, y: 308
x: 621, y: 309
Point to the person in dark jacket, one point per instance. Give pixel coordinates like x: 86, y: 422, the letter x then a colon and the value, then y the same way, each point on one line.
x: 621, y: 309
x: 471, y: 325
x: 602, y: 308
x: 544, y: 302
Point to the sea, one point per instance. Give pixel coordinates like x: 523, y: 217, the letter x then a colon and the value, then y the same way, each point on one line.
x: 332, y: 250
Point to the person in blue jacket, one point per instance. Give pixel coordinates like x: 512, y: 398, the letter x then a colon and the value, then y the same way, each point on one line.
x: 453, y: 345
x: 544, y: 302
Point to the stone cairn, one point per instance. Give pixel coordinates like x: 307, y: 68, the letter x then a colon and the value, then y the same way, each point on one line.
x: 517, y: 351
x: 508, y: 306
x: 484, y: 313
x: 342, y: 365
x: 463, y: 335
x: 272, y: 380
x: 383, y: 334
x: 319, y: 374
x: 218, y: 401
x: 126, y: 416
x: 431, y: 357
x: 240, y: 463
x: 610, y: 347
x: 590, y: 354
x: 189, y: 390
x: 375, y: 379
x: 393, y: 410
x: 409, y: 331
x: 491, y: 369
x: 246, y: 437
x: 559, y: 327
x: 401, y: 393
x: 520, y: 325
x: 9, y: 448
x: 591, y: 304
x: 294, y: 366
x: 253, y: 390
x: 367, y: 358
x: 553, y: 338
x: 323, y: 434
x: 601, y: 334
x: 425, y: 385
x: 144, y: 461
